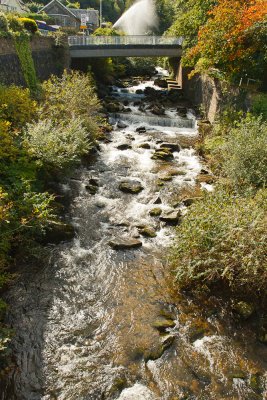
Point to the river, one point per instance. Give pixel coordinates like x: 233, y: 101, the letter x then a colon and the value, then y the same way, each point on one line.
x: 100, y: 323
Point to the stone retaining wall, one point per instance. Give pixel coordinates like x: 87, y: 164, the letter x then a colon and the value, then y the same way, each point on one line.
x: 48, y: 59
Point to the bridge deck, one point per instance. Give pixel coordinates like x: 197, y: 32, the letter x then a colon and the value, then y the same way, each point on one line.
x: 124, y: 46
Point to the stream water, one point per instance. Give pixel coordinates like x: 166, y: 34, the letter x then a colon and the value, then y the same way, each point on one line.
x: 98, y: 323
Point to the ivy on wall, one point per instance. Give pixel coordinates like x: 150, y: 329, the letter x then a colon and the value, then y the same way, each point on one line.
x: 23, y: 49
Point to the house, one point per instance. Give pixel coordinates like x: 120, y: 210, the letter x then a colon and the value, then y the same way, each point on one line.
x: 13, y: 5
x: 71, y: 17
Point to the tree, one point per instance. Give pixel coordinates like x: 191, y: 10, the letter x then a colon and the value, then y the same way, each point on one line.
x: 233, y: 40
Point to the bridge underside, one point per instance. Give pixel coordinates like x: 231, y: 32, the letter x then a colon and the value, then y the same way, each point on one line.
x: 98, y: 51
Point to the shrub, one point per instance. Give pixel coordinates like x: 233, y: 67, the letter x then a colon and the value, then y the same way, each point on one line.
x: 57, y: 144
x: 16, y: 106
x: 14, y: 23
x: 70, y: 96
x: 29, y: 24
x: 3, y: 23
x: 259, y: 105
x: 223, y: 238
x: 245, y: 154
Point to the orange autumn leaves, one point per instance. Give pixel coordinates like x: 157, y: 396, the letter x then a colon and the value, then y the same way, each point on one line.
x: 233, y: 39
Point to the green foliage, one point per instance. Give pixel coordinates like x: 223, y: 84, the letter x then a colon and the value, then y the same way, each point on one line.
x: 259, y: 105
x: 190, y: 15
x: 34, y: 7
x: 16, y: 106
x: 71, y: 96
x: 245, y: 154
x: 223, y: 238
x: 23, y: 49
x: 3, y: 23
x: 29, y: 24
x: 107, y: 32
x: 73, y: 5
x: 57, y: 144
x: 14, y: 24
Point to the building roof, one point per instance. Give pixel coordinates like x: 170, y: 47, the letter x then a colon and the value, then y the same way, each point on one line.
x: 91, y: 13
x: 65, y: 9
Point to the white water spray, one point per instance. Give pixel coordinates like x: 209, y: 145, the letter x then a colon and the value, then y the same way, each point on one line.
x: 139, y: 19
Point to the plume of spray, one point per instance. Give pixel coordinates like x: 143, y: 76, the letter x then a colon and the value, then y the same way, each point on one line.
x: 139, y: 19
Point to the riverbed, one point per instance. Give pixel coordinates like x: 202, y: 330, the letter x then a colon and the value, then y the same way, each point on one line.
x: 103, y: 319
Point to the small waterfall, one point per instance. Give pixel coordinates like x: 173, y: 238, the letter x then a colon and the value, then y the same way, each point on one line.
x: 153, y: 120
x: 140, y: 18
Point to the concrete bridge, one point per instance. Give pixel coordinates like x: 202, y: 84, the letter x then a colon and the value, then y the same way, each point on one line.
x: 124, y: 46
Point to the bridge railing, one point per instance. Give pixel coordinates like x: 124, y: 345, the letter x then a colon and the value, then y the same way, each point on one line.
x: 123, y: 40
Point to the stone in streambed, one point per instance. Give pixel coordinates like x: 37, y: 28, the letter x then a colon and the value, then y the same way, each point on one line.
x: 162, y: 154
x: 243, y: 309
x: 171, y: 146
x: 171, y: 218
x: 162, y: 83
x: 166, y: 178
x: 155, y: 212
x: 121, y: 125
x: 157, y: 200
x: 147, y: 231
x: 124, y: 146
x: 58, y: 232
x: 124, y: 243
x: 144, y: 146
x: 141, y: 129
x: 133, y: 187
x: 162, y: 324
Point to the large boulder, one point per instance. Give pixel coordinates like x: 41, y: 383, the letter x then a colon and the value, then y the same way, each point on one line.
x: 130, y: 186
x: 124, y: 243
x: 58, y: 232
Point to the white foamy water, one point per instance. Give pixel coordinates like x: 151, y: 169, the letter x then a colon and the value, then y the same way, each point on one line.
x: 137, y: 392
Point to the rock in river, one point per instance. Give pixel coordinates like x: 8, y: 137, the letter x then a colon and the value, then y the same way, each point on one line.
x: 162, y: 154
x: 147, y: 231
x: 124, y: 146
x: 171, y: 217
x: 124, y: 243
x: 171, y: 146
x: 121, y: 125
x: 132, y: 187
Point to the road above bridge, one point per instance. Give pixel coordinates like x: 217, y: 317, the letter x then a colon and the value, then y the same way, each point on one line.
x: 124, y: 46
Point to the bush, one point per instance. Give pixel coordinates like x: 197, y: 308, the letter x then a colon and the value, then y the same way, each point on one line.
x: 3, y: 23
x: 223, y: 238
x: 57, y: 144
x: 29, y: 24
x: 245, y: 154
x: 259, y: 105
x: 16, y: 106
x: 14, y: 23
x: 70, y: 96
